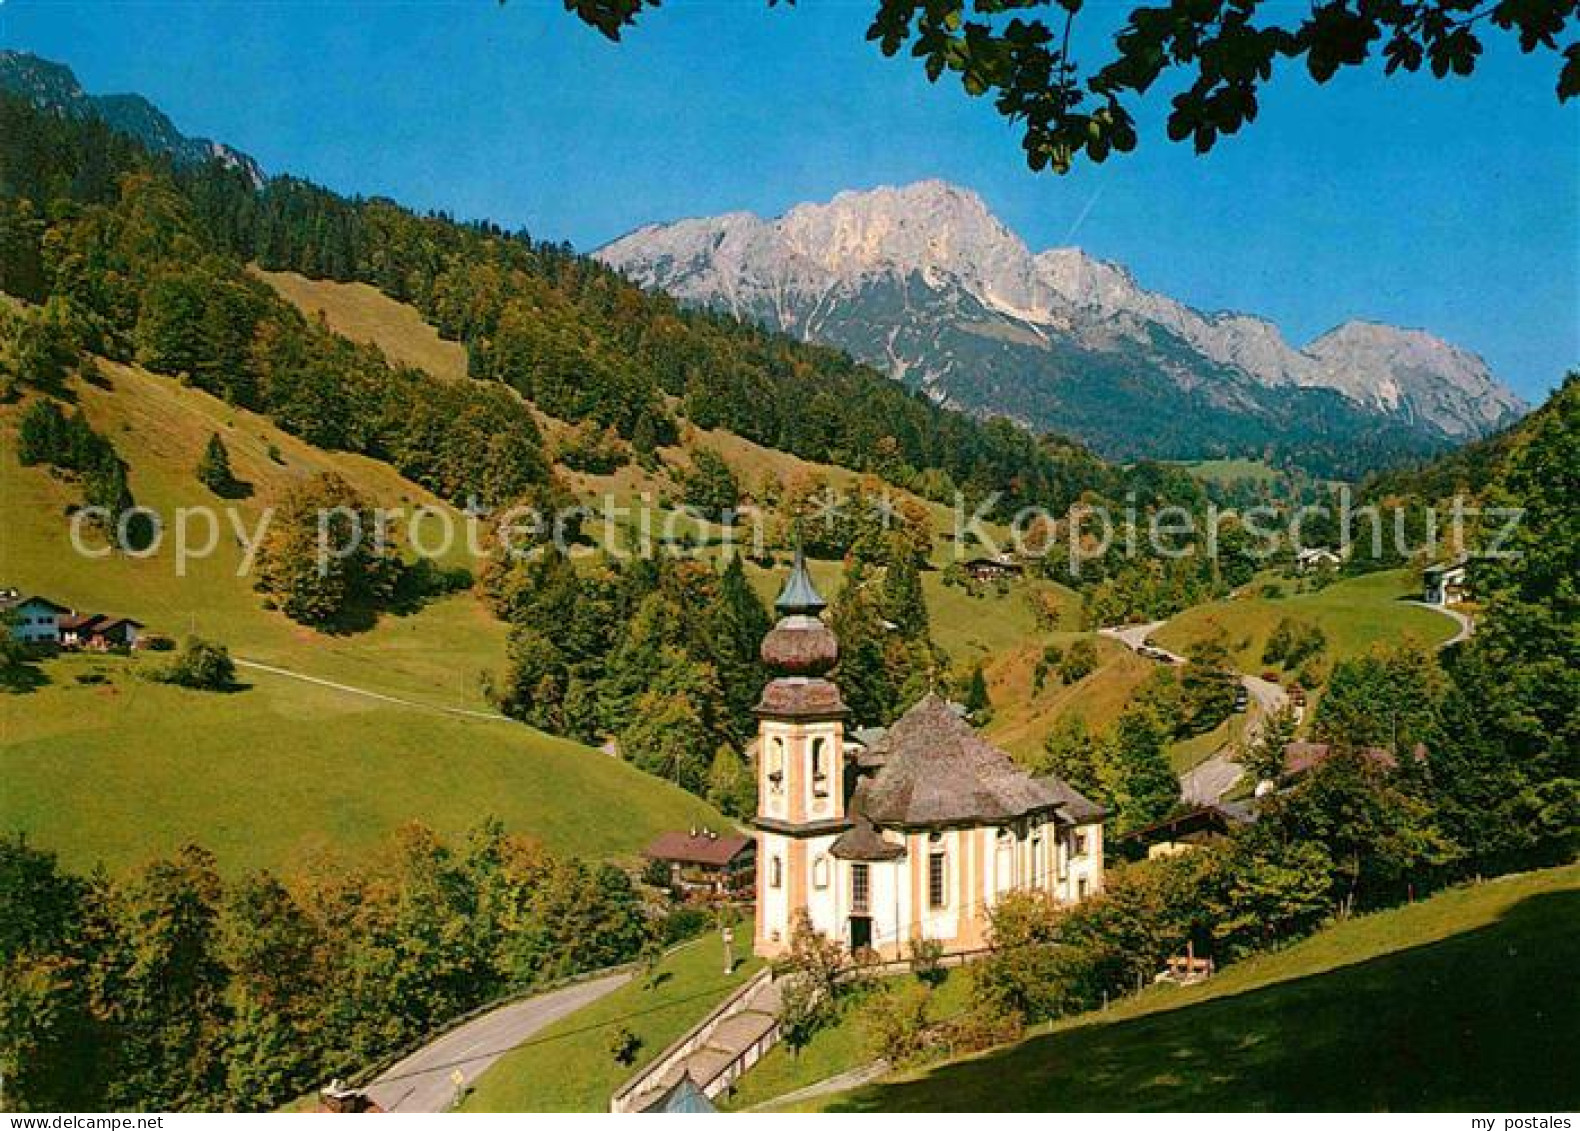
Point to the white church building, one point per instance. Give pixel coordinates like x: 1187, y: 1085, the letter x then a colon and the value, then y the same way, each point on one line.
x: 915, y: 833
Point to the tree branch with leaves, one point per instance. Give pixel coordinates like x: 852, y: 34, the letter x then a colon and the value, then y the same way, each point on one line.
x: 1226, y: 51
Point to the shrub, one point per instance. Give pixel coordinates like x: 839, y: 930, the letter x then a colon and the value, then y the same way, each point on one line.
x: 597, y: 451
x: 927, y: 961
x: 684, y: 923
x: 202, y: 666
x: 624, y: 1045
x: 895, y: 1020
x: 1080, y: 660
x: 983, y: 1026
x: 1293, y: 642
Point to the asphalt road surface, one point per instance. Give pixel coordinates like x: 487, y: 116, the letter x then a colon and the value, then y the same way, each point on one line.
x: 426, y: 1080
x: 1134, y: 637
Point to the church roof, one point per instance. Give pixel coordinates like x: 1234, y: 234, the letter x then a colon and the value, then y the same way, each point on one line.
x: 1074, y: 807
x: 937, y: 771
x: 801, y: 645
x: 799, y: 697
x: 799, y: 594
x: 862, y: 841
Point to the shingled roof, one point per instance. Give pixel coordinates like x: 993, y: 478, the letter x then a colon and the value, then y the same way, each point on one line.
x: 862, y: 841
x: 706, y: 848
x: 1074, y: 807
x: 938, y: 771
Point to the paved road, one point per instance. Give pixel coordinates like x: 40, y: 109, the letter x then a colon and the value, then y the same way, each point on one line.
x: 1134, y: 637
x: 1210, y: 780
x: 463, y: 712
x: 425, y: 1080
x: 1467, y: 627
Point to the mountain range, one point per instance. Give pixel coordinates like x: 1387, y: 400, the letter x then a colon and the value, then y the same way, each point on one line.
x: 926, y: 283
x: 52, y: 86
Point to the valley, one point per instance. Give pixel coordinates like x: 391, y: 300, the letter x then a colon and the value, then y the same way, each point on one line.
x: 815, y: 729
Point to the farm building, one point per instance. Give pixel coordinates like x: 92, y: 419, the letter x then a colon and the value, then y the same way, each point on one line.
x: 994, y: 569
x: 704, y: 862
x: 99, y: 632
x: 1444, y: 584
x: 35, y: 620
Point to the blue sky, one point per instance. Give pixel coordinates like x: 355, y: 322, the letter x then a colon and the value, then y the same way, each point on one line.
x: 1454, y: 207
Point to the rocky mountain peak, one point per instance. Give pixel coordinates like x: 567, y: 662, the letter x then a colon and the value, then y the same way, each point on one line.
x: 892, y: 273
x: 53, y: 86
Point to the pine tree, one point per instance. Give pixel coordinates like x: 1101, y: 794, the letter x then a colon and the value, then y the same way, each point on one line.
x: 644, y: 440
x: 903, y: 602
x: 213, y: 469
x: 862, y: 673
x: 1147, y: 787
x: 737, y: 624
x: 731, y: 787
x: 977, y: 703
x: 42, y: 434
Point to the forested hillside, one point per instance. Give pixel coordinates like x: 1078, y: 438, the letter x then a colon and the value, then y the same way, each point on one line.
x: 151, y: 259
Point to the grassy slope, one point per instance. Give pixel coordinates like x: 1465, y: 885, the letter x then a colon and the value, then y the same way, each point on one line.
x: 1227, y: 471
x: 159, y: 427
x: 1355, y: 613
x: 364, y: 314
x: 127, y: 770
x: 835, y: 1049
x: 1454, y: 1004
x: 367, y: 768
x: 567, y: 1067
x: 1021, y: 719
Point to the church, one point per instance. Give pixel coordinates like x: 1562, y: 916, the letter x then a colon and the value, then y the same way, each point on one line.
x: 911, y: 832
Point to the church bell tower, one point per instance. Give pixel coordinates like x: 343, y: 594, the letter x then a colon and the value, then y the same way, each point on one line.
x: 800, y: 766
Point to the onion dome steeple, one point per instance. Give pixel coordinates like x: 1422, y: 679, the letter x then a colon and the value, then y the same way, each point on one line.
x: 799, y: 596
x: 800, y: 644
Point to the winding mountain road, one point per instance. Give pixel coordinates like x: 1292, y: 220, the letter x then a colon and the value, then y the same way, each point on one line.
x: 1134, y: 637
x: 1209, y: 781
x: 1206, y: 783
x: 429, y: 1079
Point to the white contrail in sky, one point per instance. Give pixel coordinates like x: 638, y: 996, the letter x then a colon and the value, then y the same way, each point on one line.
x: 1069, y: 236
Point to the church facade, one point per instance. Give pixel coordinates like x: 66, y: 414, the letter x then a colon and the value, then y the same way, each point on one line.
x: 914, y: 833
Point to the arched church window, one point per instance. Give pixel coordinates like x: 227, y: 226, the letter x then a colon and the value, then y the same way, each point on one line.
x: 820, y: 872
x: 819, y: 767
x: 776, y: 764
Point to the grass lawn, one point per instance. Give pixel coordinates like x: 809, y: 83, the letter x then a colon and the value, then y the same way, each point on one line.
x: 1226, y: 471
x: 567, y: 1067
x: 122, y: 771
x: 1355, y: 613
x: 838, y: 1048
x: 1454, y: 1004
